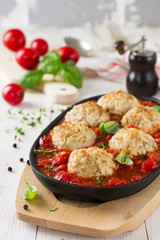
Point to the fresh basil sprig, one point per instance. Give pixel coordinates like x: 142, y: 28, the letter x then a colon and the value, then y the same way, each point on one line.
x: 156, y: 107
x: 30, y: 191
x: 123, y: 158
x: 110, y: 127
x: 51, y: 64
x: 70, y: 74
x: 30, y: 79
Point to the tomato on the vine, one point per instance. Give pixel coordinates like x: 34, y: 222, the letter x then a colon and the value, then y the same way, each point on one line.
x: 14, y: 39
x: 13, y: 93
x: 40, y: 46
x: 68, y: 53
x: 27, y: 58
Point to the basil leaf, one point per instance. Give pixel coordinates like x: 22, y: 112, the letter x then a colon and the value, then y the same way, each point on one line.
x: 68, y: 63
x: 53, y: 208
x: 156, y: 107
x: 123, y: 158
x: 72, y: 75
x: 30, y: 79
x: 110, y: 127
x: 30, y: 192
x: 101, y: 128
x: 52, y: 54
x: 50, y: 65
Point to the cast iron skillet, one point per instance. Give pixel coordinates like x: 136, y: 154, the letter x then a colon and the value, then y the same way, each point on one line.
x: 85, y: 193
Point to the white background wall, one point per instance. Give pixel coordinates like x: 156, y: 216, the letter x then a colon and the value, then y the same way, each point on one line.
x: 67, y: 13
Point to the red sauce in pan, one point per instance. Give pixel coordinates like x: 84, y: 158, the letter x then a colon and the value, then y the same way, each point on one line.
x: 54, y: 164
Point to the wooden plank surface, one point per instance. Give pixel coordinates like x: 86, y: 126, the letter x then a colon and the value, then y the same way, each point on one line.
x: 97, y: 220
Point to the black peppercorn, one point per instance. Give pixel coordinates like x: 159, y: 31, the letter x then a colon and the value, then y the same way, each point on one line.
x: 21, y: 159
x: 14, y: 145
x: 10, y: 169
x: 28, y: 162
x: 25, y: 206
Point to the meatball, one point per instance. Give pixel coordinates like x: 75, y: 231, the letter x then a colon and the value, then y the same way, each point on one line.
x: 118, y: 102
x: 71, y: 136
x: 146, y: 118
x: 133, y: 140
x: 91, y: 162
x: 88, y: 113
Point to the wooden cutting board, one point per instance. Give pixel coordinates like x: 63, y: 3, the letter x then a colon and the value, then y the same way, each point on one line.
x: 92, y: 219
x: 10, y: 71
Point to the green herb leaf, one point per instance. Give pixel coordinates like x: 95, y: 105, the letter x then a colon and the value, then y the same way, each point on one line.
x: 39, y: 119
x: 123, y: 158
x: 156, y: 107
x: 21, y: 112
x: 9, y: 111
x: 30, y: 79
x: 50, y: 167
x: 98, y: 180
x: 68, y: 63
x: 52, y: 54
x: 16, y: 128
x: 42, y: 150
x: 25, y: 118
x: 53, y: 208
x: 30, y: 192
x: 72, y: 75
x: 32, y: 124
x: 19, y: 131
x: 110, y: 127
x: 50, y: 64
x: 103, y: 145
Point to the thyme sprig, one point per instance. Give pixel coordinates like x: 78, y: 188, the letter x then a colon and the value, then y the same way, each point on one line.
x: 27, y: 119
x: 98, y: 180
x: 50, y: 167
x: 103, y: 145
x: 42, y: 150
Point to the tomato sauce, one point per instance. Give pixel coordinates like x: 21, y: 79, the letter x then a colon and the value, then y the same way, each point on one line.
x: 53, y: 162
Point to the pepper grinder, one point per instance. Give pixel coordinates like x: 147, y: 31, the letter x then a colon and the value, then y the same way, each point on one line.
x: 142, y: 79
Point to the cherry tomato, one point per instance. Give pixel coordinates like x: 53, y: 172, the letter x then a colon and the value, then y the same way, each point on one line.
x: 14, y: 39
x: 65, y: 177
x: 43, y: 141
x: 61, y: 158
x: 13, y: 93
x: 68, y: 53
x: 27, y: 58
x: 43, y: 163
x: 156, y: 135
x: 40, y: 46
x: 62, y: 167
x: 135, y: 178
x: 114, y: 182
x: 148, y: 165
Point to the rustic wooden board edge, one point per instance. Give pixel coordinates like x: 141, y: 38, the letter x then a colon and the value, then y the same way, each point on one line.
x: 130, y: 223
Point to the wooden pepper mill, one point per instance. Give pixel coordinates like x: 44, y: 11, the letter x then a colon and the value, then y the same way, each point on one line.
x: 142, y: 79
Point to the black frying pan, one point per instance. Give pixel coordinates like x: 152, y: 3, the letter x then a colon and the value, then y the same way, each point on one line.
x: 85, y: 193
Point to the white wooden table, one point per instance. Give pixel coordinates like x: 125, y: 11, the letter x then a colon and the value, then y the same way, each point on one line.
x: 10, y: 227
